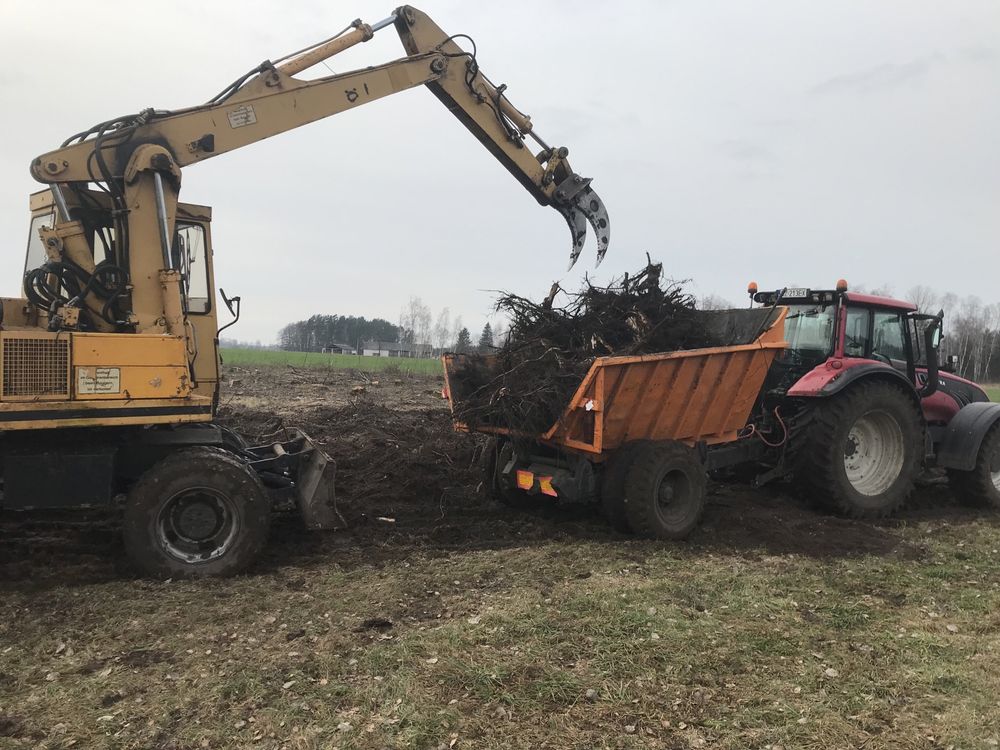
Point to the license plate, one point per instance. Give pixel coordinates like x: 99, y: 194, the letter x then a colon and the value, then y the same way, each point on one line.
x: 795, y: 293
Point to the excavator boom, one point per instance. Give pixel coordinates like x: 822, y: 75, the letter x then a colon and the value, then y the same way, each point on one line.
x: 270, y: 100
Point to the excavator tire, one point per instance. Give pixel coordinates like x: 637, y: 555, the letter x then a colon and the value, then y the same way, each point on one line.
x: 981, y: 486
x: 198, y: 513
x: 497, y: 453
x: 861, y: 454
x: 665, y: 490
x: 613, y: 477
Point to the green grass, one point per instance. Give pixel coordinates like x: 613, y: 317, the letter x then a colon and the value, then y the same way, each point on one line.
x: 993, y: 391
x: 253, y: 357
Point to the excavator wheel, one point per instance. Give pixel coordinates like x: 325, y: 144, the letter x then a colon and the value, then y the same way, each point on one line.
x: 981, y: 486
x: 197, y: 513
x: 613, y: 476
x: 665, y: 491
x: 862, y: 452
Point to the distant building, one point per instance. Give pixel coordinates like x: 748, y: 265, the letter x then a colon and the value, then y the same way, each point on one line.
x: 339, y: 349
x: 396, y: 349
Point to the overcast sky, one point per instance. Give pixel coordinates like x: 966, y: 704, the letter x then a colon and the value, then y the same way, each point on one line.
x: 783, y: 141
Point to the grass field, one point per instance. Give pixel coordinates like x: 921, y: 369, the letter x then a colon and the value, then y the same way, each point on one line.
x: 252, y: 357
x: 993, y: 391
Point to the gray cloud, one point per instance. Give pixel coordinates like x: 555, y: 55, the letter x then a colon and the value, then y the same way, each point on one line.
x: 879, y: 78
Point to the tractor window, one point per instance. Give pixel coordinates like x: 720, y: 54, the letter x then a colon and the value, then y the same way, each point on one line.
x: 189, y: 258
x: 857, y: 341
x: 889, y: 335
x: 36, y: 250
x: 809, y: 333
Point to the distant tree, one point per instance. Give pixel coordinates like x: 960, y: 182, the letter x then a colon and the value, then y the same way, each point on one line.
x: 714, y: 302
x: 313, y: 334
x: 456, y: 328
x: 486, y: 338
x: 463, y: 344
x: 442, y: 329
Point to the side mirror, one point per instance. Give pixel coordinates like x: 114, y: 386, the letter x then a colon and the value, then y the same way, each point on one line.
x: 233, y: 304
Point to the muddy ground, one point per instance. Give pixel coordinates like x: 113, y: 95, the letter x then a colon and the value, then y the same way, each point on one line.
x: 92, y: 656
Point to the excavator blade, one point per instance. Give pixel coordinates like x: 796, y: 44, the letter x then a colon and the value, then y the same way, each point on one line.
x: 592, y: 207
x: 577, y: 227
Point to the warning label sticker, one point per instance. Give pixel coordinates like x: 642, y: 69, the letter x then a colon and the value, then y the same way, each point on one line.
x: 95, y: 380
x: 242, y: 116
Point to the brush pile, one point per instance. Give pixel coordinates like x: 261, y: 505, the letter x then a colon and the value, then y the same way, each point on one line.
x: 528, y: 382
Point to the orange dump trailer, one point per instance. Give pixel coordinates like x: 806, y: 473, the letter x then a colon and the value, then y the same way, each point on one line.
x: 638, y: 432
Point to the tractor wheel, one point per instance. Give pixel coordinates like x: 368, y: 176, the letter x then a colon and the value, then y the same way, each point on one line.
x: 665, y: 491
x: 862, y: 452
x: 981, y: 486
x: 613, y: 476
x: 496, y: 456
x: 197, y: 513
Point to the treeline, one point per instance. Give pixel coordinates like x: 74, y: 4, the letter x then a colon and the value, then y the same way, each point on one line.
x: 423, y: 333
x: 320, y: 331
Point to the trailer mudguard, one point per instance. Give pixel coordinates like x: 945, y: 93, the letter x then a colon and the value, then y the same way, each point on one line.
x: 964, y: 434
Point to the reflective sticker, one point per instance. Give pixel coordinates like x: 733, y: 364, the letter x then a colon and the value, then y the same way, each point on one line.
x: 525, y: 479
x: 545, y: 484
x: 94, y: 380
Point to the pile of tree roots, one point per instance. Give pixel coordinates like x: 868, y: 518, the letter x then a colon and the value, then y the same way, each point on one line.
x: 527, y: 383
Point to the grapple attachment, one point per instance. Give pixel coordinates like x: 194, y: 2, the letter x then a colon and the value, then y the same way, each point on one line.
x: 576, y: 200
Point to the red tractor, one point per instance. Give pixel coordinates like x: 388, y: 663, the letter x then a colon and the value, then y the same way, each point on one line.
x: 857, y: 405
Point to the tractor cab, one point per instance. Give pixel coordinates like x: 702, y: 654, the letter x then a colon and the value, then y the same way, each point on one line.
x: 836, y: 337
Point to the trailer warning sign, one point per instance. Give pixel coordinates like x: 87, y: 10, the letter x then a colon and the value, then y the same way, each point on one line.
x: 95, y: 380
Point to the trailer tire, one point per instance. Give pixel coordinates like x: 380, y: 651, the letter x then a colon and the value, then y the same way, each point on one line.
x: 981, y: 486
x: 198, y: 513
x: 498, y: 451
x: 616, y: 470
x: 861, y: 454
x: 665, y: 491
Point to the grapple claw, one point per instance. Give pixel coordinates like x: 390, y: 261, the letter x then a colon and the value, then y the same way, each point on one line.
x: 579, y: 204
x: 578, y: 227
x: 593, y: 208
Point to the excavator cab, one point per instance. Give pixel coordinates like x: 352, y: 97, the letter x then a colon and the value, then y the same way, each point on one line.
x: 93, y: 412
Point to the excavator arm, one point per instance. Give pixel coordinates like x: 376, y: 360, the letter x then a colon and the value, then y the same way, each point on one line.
x: 270, y: 100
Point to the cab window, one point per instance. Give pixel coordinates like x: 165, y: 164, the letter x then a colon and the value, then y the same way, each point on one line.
x: 189, y: 258
x: 36, y: 249
x: 857, y: 334
x: 889, y: 336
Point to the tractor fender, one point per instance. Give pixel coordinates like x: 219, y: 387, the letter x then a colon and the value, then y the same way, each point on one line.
x: 964, y: 434
x: 834, y: 376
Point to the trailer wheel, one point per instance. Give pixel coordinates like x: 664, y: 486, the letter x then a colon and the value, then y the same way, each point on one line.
x: 665, y: 491
x: 496, y: 456
x: 861, y: 454
x: 197, y: 513
x: 613, y: 476
x: 981, y: 486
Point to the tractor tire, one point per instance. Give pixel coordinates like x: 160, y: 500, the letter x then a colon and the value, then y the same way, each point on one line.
x: 665, y: 491
x: 198, y: 513
x: 862, y: 452
x: 614, y: 473
x: 981, y: 486
x: 497, y: 453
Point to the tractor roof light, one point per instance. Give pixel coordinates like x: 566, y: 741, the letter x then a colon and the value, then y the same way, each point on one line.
x: 752, y: 288
x: 841, y: 285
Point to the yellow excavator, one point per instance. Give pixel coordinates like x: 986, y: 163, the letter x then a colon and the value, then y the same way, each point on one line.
x: 110, y: 364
